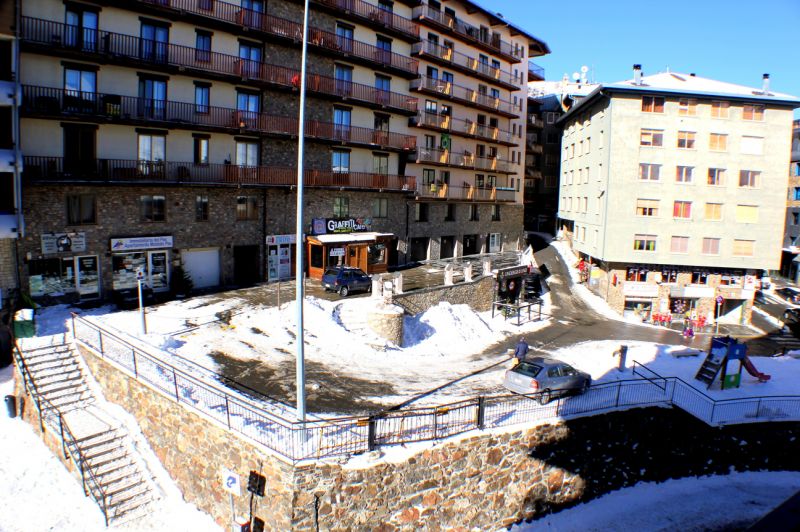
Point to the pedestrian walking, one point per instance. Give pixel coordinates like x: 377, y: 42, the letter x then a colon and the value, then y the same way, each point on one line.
x: 521, y: 350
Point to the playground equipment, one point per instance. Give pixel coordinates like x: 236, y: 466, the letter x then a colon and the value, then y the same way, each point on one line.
x: 725, y: 359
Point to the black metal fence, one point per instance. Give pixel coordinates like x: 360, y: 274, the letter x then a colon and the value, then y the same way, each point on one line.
x: 269, y: 422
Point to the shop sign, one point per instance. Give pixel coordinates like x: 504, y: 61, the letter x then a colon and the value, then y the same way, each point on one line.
x: 318, y: 226
x: 337, y: 252
x: 141, y: 242
x: 349, y: 225
x: 63, y: 243
x: 514, y: 271
x: 640, y: 289
x: 278, y: 240
x: 692, y: 291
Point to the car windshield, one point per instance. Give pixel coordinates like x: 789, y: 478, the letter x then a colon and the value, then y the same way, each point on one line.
x: 526, y: 368
x: 331, y: 271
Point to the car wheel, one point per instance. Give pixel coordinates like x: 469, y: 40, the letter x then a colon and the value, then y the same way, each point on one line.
x: 343, y: 291
x: 544, y: 397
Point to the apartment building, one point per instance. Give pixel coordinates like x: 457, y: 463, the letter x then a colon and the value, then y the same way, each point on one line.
x: 10, y: 160
x: 159, y: 134
x: 790, y: 267
x: 674, y: 187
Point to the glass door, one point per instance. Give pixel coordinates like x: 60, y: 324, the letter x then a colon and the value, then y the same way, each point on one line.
x: 154, y: 43
x: 153, y: 98
x: 88, y: 277
x: 158, y: 270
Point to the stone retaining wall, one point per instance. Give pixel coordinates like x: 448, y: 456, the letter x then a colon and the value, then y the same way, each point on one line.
x: 477, y: 294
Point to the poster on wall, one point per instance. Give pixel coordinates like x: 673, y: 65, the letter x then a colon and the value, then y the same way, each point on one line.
x: 63, y: 243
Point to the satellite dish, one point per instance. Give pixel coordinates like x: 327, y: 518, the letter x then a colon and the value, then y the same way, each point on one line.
x: 576, y: 76
x: 584, y: 69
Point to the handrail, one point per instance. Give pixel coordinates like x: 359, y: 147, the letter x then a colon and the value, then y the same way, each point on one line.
x: 464, y: 127
x: 467, y: 96
x: 83, y: 463
x: 457, y: 59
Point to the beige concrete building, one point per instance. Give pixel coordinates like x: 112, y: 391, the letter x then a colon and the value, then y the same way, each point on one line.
x: 674, y: 187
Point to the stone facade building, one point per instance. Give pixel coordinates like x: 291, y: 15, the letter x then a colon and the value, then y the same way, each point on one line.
x: 164, y: 134
x: 674, y: 186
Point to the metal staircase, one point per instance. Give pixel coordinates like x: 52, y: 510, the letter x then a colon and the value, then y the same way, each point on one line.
x: 100, y: 448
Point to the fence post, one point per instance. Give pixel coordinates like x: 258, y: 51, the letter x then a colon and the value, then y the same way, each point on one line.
x: 616, y: 401
x: 228, y: 410
x: 713, y: 409
x: 758, y: 408
x: 61, y: 429
x: 135, y: 367
x: 74, y: 336
x: 175, y: 380
x: 100, y: 342
x: 481, y: 418
x: 371, y: 433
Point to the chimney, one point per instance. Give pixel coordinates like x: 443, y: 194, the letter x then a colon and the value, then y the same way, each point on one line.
x: 692, y: 74
x: 765, y: 85
x: 637, y: 74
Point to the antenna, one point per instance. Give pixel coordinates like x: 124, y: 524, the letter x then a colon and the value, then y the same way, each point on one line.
x: 584, y: 70
x: 576, y: 76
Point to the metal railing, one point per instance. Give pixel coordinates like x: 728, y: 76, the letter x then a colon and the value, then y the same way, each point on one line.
x: 115, y: 47
x: 535, y: 72
x: 465, y: 192
x: 318, y: 438
x: 466, y: 128
x: 364, y: 11
x: 60, y: 169
x: 467, y: 96
x: 463, y: 160
x: 469, y: 64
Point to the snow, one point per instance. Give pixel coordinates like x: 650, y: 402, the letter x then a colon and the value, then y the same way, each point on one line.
x: 717, y: 502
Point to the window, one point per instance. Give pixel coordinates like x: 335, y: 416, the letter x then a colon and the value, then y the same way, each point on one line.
x: 651, y: 137
x: 795, y: 218
x: 250, y: 55
x: 752, y: 145
x: 153, y: 94
x: 749, y: 178
x: 247, y: 153
x: 81, y: 209
x: 380, y: 208
x: 683, y: 174
x: 202, y: 95
x: 340, y: 161
x: 203, y: 45
x: 495, y: 213
x: 384, y: 45
x: 201, y: 208
x: 246, y: 208
x: 713, y: 212
x: 384, y: 85
x: 796, y: 194
x: 687, y: 107
x: 646, y: 207
x: 380, y: 164
x: 682, y: 210
x: 428, y: 176
x: 719, y: 109
x: 747, y: 214
x: 644, y: 242
x: 716, y: 177
x: 718, y: 142
x: 711, y: 246
x: 344, y: 37
x: 154, y: 42
x: 201, y: 150
x: 753, y: 112
x: 652, y: 104
x: 686, y: 140
x: 81, y: 27
x: 341, y: 207
x: 151, y: 153
x: 679, y: 244
x: 551, y: 117
x: 743, y: 248
x: 473, y: 213
x: 649, y: 172
x: 344, y: 79
x: 79, y: 86
x: 421, y: 212
x: 450, y: 212
x: 152, y: 208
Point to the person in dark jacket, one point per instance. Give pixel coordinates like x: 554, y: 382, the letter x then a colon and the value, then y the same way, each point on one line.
x: 6, y: 340
x: 521, y: 350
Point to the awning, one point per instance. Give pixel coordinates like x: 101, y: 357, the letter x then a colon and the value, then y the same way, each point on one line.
x: 349, y: 237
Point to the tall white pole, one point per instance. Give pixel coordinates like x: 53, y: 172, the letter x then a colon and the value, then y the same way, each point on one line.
x: 299, y: 289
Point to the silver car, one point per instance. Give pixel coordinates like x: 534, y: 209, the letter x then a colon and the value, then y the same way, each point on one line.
x: 546, y: 377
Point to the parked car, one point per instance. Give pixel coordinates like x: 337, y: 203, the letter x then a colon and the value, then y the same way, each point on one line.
x: 546, y: 377
x: 344, y: 280
x: 791, y: 295
x: 760, y: 298
x: 791, y: 315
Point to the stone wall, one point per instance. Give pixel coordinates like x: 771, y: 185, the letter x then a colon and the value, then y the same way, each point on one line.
x: 477, y: 294
x: 8, y: 269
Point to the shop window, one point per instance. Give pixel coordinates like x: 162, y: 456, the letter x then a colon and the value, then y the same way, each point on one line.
x: 81, y: 209
x: 636, y: 274
x: 52, y: 277
x: 152, y: 208
x: 376, y: 253
x: 669, y: 276
x: 246, y: 208
x: 315, y: 256
x: 341, y: 207
x: 699, y: 277
x: 380, y: 208
x: 201, y: 209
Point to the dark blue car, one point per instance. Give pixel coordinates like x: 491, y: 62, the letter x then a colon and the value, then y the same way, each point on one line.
x: 344, y: 280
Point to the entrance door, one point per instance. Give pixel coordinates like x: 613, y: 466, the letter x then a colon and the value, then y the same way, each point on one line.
x: 447, y: 246
x: 79, y: 149
x: 245, y: 265
x: 471, y: 245
x: 87, y: 276
x: 158, y: 270
x: 419, y: 249
x: 357, y: 257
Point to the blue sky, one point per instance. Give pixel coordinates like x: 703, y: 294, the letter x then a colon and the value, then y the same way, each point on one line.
x: 729, y: 41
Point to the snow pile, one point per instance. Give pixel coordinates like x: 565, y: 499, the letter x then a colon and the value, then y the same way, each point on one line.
x: 465, y: 329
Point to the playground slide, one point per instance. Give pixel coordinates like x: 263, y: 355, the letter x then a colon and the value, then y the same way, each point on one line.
x: 751, y: 369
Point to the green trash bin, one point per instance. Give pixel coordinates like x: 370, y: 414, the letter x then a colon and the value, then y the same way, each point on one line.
x: 24, y: 326
x: 731, y: 381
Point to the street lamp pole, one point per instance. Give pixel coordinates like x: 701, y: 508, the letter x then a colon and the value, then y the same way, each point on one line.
x: 299, y: 288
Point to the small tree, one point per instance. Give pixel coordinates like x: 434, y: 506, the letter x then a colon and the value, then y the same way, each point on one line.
x: 181, y: 283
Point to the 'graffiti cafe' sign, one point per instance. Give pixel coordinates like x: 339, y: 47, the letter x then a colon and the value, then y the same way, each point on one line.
x: 350, y: 225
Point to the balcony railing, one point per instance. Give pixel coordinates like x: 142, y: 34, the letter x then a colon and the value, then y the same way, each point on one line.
x: 468, y: 64
x: 535, y: 72
x: 59, y: 169
x: 358, y: 9
x: 490, y: 41
x: 465, y: 192
x: 465, y: 128
x: 467, y: 96
x: 350, y: 47
x: 44, y: 101
x: 110, y: 47
x: 463, y: 160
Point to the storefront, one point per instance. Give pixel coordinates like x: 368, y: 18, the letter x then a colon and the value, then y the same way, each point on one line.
x: 347, y: 242
x: 639, y: 299
x: 280, y: 257
x: 146, y: 254
x: 71, y: 273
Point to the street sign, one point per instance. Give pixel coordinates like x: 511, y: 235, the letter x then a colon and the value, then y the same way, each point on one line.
x: 230, y: 482
x: 720, y: 299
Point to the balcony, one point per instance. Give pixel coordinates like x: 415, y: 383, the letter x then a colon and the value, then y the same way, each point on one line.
x: 535, y: 121
x: 469, y: 65
x: 373, y: 16
x: 467, y: 96
x: 106, y: 47
x: 7, y: 93
x: 535, y: 72
x: 111, y: 108
x: 482, y: 39
x: 358, y: 51
x: 119, y: 171
x: 464, y: 160
x: 465, y: 193
x: 463, y: 128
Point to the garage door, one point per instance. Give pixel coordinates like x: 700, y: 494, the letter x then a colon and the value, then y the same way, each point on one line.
x: 202, y: 265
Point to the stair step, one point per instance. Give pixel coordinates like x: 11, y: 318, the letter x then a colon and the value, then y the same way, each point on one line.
x: 121, y: 487
x: 69, y: 391
x: 103, y: 449
x: 43, y: 380
x: 85, y: 447
x: 58, y: 369
x: 121, y: 498
x: 113, y: 476
x: 129, y: 508
x: 98, y: 465
x: 48, y: 360
x: 29, y: 356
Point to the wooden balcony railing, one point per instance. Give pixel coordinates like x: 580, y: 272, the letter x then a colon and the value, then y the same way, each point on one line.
x: 467, y: 96
x: 114, y: 47
x: 485, y: 40
x: 59, y: 169
x: 364, y: 11
x: 468, y: 64
x: 465, y: 192
x: 350, y: 47
x: 50, y: 102
x: 465, y: 128
x: 463, y: 160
